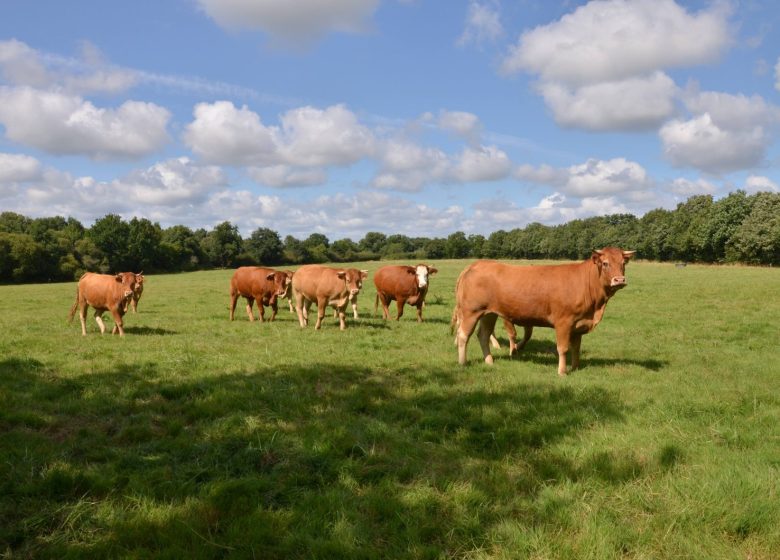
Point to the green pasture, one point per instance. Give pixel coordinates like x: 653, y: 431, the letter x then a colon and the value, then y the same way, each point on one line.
x: 195, y: 437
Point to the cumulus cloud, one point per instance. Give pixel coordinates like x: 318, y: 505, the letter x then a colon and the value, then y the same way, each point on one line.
x: 169, y: 183
x: 18, y: 168
x: 632, y: 104
x: 757, y: 183
x: 483, y: 24
x: 462, y: 124
x: 305, y: 137
x: 600, y: 67
x: 292, y: 22
x: 618, y: 39
x: 66, y: 124
x: 486, y: 163
x: 686, y: 188
x: 282, y: 176
x: 591, y: 179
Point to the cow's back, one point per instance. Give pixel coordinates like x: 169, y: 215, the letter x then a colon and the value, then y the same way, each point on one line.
x: 396, y: 280
x: 532, y: 295
x: 315, y: 281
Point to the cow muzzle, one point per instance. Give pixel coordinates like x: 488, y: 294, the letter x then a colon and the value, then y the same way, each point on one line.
x: 618, y: 282
x: 354, y: 292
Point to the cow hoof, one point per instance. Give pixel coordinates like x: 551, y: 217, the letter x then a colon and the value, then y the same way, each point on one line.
x: 489, y: 360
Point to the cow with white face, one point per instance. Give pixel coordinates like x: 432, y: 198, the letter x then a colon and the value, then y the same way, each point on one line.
x: 404, y: 284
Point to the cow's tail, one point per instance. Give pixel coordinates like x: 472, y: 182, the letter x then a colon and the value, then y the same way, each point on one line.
x: 376, y: 303
x: 455, y: 321
x: 75, y: 305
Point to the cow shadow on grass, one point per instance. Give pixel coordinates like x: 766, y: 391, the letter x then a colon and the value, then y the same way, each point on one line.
x: 149, y: 331
x: 290, y: 461
x: 545, y: 353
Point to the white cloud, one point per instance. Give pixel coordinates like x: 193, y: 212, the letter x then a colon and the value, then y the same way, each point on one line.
x: 618, y: 39
x: 22, y: 65
x: 306, y: 137
x: 686, y: 188
x: 486, y: 163
x: 463, y: 124
x: 67, y: 124
x: 223, y: 134
x: 170, y: 183
x: 594, y: 178
x: 281, y: 176
x: 316, y: 137
x: 757, y: 183
x: 777, y: 75
x: 483, y: 24
x: 702, y: 144
x: 630, y: 104
x: 18, y: 168
x: 292, y: 22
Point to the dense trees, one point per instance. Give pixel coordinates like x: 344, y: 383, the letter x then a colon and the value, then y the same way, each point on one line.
x: 736, y: 228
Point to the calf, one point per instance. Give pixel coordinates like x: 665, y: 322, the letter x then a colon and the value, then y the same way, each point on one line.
x: 104, y: 292
x: 571, y: 298
x: 264, y: 285
x: 326, y: 286
x: 404, y: 284
x: 137, y: 291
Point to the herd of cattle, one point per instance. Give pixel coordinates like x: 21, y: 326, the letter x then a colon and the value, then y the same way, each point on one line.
x: 569, y: 298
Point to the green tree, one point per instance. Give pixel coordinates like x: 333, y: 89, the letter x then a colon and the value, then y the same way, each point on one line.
x: 294, y: 251
x: 11, y: 222
x: 757, y: 240
x: 457, y: 246
x: 180, y: 249
x: 727, y: 216
x: 265, y: 247
x: 373, y: 242
x: 496, y: 246
x: 110, y: 235
x: 343, y: 250
x: 143, y: 246
x: 222, y: 245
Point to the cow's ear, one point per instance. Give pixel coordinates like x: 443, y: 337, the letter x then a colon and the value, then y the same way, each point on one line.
x: 432, y: 270
x: 364, y: 274
x: 118, y: 278
x: 596, y: 256
x: 411, y: 270
x: 139, y: 273
x: 628, y: 254
x: 341, y: 274
x: 270, y: 276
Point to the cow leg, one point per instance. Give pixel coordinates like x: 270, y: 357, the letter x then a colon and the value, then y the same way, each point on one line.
x: 342, y: 317
x: 99, y: 320
x: 419, y: 312
x: 399, y: 303
x: 299, y: 304
x: 563, y: 341
x: 233, y: 301
x: 354, y: 310
x: 322, y: 304
x: 118, y: 324
x: 274, y: 310
x: 466, y: 325
x: 576, y: 341
x: 385, y: 305
x: 527, y: 332
x: 83, y: 317
x: 486, y: 325
x: 249, y: 311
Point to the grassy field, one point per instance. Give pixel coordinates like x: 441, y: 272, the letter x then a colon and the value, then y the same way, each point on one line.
x: 195, y: 437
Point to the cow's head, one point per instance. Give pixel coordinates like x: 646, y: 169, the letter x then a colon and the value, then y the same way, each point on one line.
x: 353, y: 279
x: 139, y: 282
x: 128, y: 282
x: 422, y: 271
x: 282, y: 280
x: 611, y: 263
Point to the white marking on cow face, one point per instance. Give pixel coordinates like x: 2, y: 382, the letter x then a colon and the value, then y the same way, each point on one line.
x: 422, y: 276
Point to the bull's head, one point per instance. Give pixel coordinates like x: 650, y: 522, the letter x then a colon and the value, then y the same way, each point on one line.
x: 422, y: 271
x: 282, y: 281
x: 353, y: 278
x: 128, y: 282
x: 611, y: 263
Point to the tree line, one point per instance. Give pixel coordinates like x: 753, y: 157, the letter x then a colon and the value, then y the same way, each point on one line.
x: 738, y: 228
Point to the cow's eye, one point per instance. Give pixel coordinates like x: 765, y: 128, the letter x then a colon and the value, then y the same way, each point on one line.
x: 605, y: 264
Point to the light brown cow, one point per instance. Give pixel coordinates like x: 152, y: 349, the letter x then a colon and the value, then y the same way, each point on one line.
x: 404, y: 284
x: 325, y: 286
x: 571, y: 298
x: 104, y: 292
x: 264, y: 285
x: 137, y: 291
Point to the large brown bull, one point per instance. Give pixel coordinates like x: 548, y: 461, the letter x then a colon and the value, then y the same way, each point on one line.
x: 104, y: 292
x: 325, y: 286
x: 404, y: 284
x: 571, y: 298
x: 264, y: 285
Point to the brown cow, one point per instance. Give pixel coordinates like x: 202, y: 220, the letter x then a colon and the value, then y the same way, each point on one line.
x: 104, y: 292
x: 264, y: 285
x: 404, y: 284
x: 571, y: 298
x: 326, y: 286
x: 137, y: 291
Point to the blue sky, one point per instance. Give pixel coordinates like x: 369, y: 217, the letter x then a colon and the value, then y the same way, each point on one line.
x: 419, y: 117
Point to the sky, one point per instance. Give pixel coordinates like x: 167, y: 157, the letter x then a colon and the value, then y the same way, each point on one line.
x: 414, y: 117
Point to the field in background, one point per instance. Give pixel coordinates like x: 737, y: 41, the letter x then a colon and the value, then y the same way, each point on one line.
x: 196, y: 437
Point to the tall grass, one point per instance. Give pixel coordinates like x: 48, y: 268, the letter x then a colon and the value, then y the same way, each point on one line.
x: 196, y: 437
